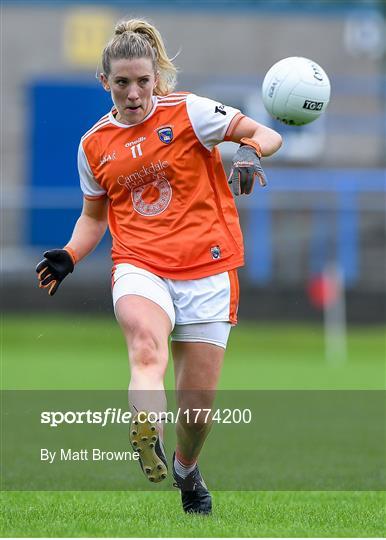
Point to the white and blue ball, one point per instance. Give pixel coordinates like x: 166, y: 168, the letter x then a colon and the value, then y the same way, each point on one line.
x: 296, y: 91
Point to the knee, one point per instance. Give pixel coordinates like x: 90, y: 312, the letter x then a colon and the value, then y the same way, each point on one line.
x: 143, y: 353
x: 146, y: 353
x: 195, y: 422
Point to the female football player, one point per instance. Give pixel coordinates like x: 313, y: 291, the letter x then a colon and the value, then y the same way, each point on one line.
x: 150, y: 171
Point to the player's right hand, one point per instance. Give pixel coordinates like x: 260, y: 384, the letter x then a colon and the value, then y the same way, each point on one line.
x: 52, y: 270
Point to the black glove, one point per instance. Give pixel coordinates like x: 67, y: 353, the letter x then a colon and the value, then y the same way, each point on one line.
x: 245, y: 167
x: 52, y: 270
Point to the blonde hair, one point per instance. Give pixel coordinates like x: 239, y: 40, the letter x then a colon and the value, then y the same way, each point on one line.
x: 137, y: 38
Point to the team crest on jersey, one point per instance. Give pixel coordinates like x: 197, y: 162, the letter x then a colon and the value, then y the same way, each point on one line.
x: 165, y: 134
x: 216, y: 252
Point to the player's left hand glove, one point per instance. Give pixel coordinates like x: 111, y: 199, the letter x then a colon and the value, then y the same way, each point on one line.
x: 245, y: 167
x: 52, y: 270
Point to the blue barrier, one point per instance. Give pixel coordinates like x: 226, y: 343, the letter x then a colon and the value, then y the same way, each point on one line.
x: 60, y: 113
x: 334, y: 233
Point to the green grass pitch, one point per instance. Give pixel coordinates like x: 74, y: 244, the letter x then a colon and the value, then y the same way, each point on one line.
x: 58, y: 352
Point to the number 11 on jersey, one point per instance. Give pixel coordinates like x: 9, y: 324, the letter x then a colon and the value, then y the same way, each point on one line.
x: 136, y: 150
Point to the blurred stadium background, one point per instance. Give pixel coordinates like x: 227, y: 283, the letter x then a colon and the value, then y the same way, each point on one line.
x: 326, y: 198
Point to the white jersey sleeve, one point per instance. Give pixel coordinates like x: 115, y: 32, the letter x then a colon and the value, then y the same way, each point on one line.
x: 88, y: 184
x: 210, y: 119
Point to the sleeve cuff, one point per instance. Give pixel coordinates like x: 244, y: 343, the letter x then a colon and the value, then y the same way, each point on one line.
x: 94, y: 197
x: 232, y: 126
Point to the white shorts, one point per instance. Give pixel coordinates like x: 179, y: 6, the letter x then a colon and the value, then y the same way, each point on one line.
x: 192, y: 305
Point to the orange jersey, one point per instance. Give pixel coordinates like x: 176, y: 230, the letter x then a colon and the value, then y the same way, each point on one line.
x: 170, y: 207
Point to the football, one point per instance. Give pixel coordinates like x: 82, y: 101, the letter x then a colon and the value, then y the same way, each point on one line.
x: 296, y: 91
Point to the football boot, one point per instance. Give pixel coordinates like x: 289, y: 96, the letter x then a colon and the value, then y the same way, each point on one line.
x: 145, y: 439
x: 195, y: 496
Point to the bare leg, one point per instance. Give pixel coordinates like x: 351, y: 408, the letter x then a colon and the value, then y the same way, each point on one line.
x: 146, y: 328
x: 197, y: 368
